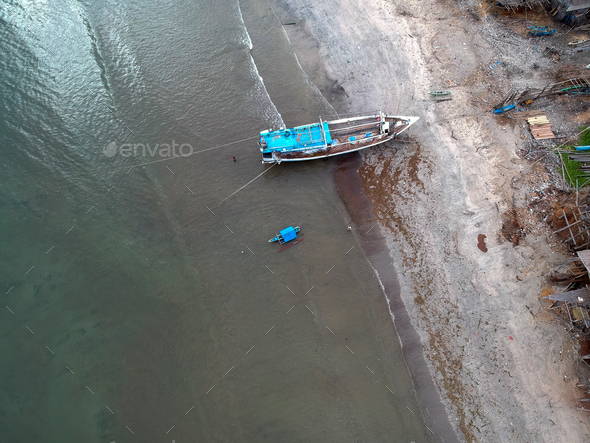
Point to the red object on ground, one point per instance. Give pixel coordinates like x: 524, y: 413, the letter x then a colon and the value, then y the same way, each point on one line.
x: 511, y: 338
x: 292, y: 244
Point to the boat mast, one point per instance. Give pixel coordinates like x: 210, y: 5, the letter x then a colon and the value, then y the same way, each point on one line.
x: 324, y: 136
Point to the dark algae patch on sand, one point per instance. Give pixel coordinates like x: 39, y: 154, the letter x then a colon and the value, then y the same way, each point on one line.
x: 367, y: 194
x: 394, y: 181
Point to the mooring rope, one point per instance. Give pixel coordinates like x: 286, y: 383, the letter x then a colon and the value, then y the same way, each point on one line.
x: 198, y: 152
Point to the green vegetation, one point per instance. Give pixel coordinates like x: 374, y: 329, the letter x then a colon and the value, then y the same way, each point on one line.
x: 573, y: 172
x: 573, y: 169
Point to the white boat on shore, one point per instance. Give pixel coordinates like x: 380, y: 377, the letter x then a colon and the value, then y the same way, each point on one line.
x: 327, y: 139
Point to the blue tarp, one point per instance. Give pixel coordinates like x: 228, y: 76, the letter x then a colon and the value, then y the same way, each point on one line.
x: 288, y: 234
x: 301, y: 137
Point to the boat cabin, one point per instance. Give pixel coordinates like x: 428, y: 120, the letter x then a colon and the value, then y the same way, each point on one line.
x: 288, y: 234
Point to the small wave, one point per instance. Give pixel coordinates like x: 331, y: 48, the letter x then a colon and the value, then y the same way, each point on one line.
x: 270, y: 114
x: 312, y: 87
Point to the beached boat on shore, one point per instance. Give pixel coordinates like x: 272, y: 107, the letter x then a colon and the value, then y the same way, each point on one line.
x: 439, y: 93
x: 539, y: 31
x: 327, y: 139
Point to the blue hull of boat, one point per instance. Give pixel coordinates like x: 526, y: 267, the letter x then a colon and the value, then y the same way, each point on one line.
x: 504, y: 109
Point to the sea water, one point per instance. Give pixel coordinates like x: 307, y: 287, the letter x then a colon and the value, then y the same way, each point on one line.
x: 141, y: 300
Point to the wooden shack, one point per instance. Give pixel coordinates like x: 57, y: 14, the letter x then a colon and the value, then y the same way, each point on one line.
x: 572, y: 12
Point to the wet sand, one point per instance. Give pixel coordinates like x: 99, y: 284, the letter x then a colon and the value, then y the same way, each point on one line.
x: 370, y: 236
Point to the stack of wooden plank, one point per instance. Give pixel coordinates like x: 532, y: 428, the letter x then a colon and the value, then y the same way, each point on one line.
x: 540, y: 127
x: 527, y: 114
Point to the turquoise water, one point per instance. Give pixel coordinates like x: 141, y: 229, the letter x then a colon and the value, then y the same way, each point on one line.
x: 141, y: 300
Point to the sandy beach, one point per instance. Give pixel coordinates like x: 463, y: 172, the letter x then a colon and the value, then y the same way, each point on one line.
x: 502, y: 365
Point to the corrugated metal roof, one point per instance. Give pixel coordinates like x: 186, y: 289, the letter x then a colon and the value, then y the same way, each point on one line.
x: 519, y: 3
x: 580, y: 297
x: 585, y: 257
x: 574, y: 5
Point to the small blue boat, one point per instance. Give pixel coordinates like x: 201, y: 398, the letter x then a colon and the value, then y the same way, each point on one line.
x: 286, y: 235
x: 504, y: 109
x: 538, y: 31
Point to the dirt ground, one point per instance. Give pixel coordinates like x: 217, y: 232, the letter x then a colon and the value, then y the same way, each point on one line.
x: 467, y: 203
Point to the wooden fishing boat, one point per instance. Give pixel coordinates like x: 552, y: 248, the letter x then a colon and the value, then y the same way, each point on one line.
x: 577, y: 42
x: 286, y: 235
x: 327, y: 139
x: 439, y: 93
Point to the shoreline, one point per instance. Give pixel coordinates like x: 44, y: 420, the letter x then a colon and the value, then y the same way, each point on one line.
x: 486, y: 342
x: 374, y: 247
